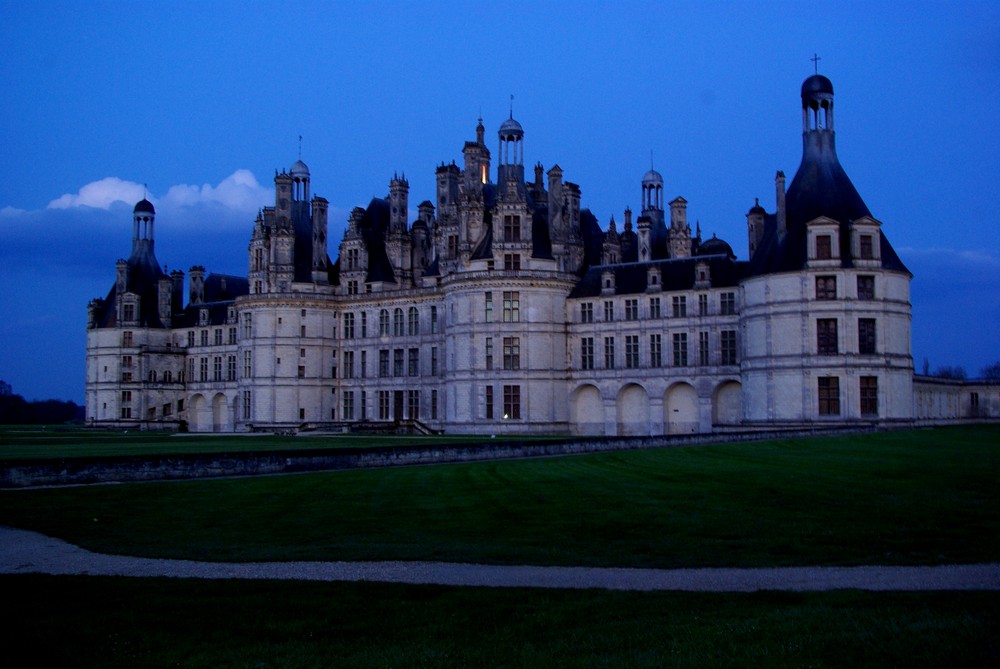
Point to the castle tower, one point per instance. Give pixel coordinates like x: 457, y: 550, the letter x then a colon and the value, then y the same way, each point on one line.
x: 399, y: 189
x: 511, y: 153
x: 143, y: 217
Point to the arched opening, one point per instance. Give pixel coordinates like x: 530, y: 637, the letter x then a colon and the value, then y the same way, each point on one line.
x: 680, y: 409
x: 727, y: 404
x: 199, y: 414
x: 220, y: 414
x: 632, y: 410
x: 587, y: 411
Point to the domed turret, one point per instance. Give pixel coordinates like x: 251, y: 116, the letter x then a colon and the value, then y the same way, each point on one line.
x: 511, y: 130
x: 144, y: 206
x: 817, y: 83
x: 299, y: 169
x: 652, y: 177
x: 716, y: 246
x: 652, y: 191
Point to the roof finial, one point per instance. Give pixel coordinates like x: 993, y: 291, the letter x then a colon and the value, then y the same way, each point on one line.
x: 145, y: 192
x: 300, y: 147
x: 815, y: 59
x: 651, y: 159
x: 512, y: 105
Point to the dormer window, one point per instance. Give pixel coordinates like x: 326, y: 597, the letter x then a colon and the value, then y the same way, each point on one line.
x: 824, y: 248
x: 866, y: 247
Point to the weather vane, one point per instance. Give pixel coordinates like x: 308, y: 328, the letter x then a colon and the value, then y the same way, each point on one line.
x: 815, y: 59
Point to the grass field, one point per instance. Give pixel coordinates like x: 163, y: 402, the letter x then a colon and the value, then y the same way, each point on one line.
x: 108, y: 623
x: 31, y: 441
x: 918, y: 497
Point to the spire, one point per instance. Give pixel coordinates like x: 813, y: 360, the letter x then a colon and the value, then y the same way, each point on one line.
x: 815, y: 59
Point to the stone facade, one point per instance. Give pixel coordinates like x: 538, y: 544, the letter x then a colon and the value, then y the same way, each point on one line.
x: 504, y: 307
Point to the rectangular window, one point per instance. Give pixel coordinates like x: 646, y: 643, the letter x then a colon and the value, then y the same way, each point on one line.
x: 823, y: 247
x: 489, y: 307
x: 302, y: 371
x: 363, y: 367
x: 191, y: 336
x: 609, y: 311
x: 512, y: 353
x: 866, y: 287
x: 397, y: 362
x: 348, y: 364
x: 869, y: 395
x: 609, y: 353
x: 680, y: 306
x: 631, y: 310
x: 247, y: 327
x: 452, y: 246
x: 511, y: 228
x: 631, y: 351
x: 191, y: 369
x: 348, y: 326
x: 231, y: 368
x: 247, y: 366
x: 363, y: 406
x: 204, y: 337
x: 413, y: 404
x: 655, y: 350
x: 866, y: 336
x: 434, y: 405
x: 128, y: 314
x: 826, y: 336
x: 246, y: 405
x: 383, y: 362
x: 203, y: 369
x: 434, y: 320
x: 217, y: 368
x: 512, y: 262
x: 383, y: 405
x: 232, y: 335
x: 703, y: 305
x: 586, y: 312
x: 413, y: 362
x: 364, y: 323
x: 654, y: 307
x: 867, y: 249
x: 704, y: 355
x: 727, y: 304
x: 397, y: 322
x: 512, y: 402
x: 413, y: 322
x: 489, y: 402
x: 511, y: 307
x: 127, y: 338
x: 348, y: 405
x: 383, y: 323
x: 826, y: 288
x: 680, y: 349
x: 218, y: 336
x: 352, y: 287
x: 434, y: 361
x: 728, y: 347
x: 489, y: 353
x: 587, y: 353
x: 829, y: 395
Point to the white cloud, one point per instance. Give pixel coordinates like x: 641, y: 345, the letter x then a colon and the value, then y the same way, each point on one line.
x: 101, y: 194
x: 239, y: 192
x: 945, y: 255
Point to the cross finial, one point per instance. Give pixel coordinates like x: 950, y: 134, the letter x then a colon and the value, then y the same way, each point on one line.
x: 815, y: 59
x: 300, y: 147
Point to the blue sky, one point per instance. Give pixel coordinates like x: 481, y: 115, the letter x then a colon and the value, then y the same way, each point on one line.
x: 201, y: 101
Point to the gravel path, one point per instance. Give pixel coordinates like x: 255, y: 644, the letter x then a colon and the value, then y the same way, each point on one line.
x: 23, y: 552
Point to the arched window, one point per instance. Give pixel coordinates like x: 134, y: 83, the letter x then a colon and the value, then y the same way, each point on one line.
x: 413, y: 323
x: 397, y: 322
x: 383, y: 323
x: 152, y: 376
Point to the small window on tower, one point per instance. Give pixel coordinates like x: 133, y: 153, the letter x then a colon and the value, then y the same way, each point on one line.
x: 823, y: 248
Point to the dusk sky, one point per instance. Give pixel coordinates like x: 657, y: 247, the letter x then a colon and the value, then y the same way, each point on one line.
x: 202, y: 101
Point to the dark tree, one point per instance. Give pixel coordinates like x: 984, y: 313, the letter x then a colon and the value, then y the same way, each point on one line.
x: 946, y: 372
x: 991, y: 372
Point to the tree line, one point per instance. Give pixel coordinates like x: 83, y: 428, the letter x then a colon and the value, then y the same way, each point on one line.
x: 14, y: 409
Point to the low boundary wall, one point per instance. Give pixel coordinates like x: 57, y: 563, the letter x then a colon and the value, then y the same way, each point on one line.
x: 24, y: 473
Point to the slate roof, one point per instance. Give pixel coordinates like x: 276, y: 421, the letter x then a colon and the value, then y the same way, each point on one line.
x: 675, y: 274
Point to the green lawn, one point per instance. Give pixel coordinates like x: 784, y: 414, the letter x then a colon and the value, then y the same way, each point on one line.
x: 119, y: 622
x: 30, y: 441
x: 915, y: 497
